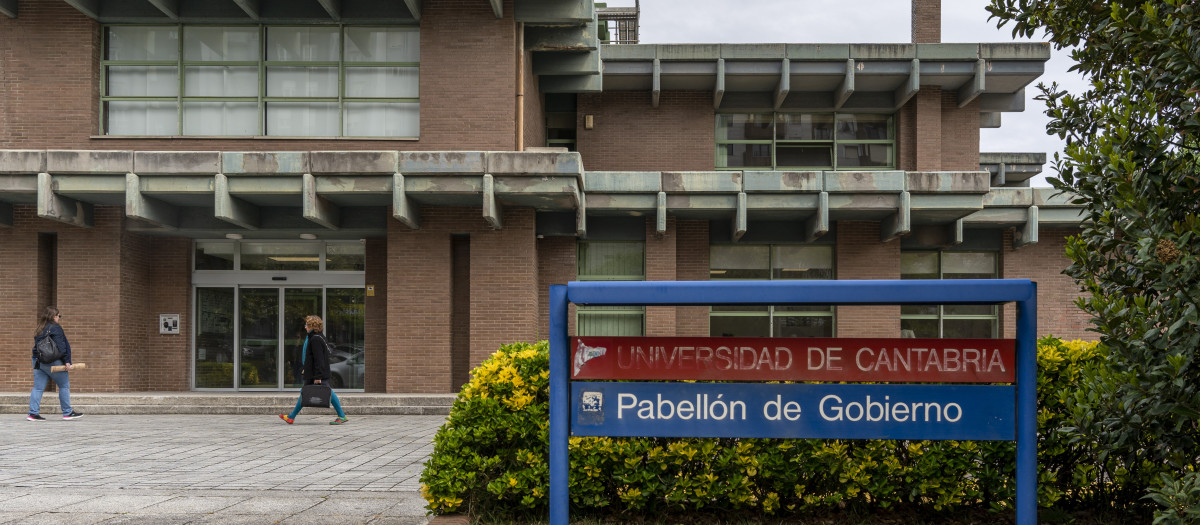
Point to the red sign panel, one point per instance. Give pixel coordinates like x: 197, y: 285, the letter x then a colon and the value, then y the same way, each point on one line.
x: 794, y: 359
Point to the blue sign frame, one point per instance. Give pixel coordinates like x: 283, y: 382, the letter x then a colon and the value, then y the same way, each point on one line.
x: 1023, y: 292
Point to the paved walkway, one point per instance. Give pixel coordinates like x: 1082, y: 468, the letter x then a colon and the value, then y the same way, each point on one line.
x: 213, y: 469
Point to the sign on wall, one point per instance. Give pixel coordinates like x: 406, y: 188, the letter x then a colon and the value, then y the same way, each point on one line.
x: 168, y: 324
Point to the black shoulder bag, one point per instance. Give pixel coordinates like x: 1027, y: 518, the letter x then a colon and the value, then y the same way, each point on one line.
x: 47, y: 351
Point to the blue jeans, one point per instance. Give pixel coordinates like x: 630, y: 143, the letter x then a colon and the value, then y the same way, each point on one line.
x: 41, y: 378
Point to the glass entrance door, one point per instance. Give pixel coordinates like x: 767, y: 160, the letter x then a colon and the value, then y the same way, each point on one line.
x: 265, y: 343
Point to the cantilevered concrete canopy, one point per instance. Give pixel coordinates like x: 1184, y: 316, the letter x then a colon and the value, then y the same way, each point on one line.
x: 348, y: 194
x: 878, y: 77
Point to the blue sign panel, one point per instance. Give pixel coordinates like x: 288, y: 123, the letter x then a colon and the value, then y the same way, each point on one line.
x: 773, y: 410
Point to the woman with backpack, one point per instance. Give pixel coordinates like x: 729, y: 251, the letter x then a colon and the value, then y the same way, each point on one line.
x: 314, y: 359
x: 48, y: 327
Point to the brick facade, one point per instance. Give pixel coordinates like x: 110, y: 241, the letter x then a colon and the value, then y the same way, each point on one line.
x: 631, y: 135
x: 448, y: 294
x: 860, y: 255
x: 926, y: 21
x: 468, y: 85
x: 1044, y: 263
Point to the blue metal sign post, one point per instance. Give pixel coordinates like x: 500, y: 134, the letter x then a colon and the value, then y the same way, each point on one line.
x: 878, y: 411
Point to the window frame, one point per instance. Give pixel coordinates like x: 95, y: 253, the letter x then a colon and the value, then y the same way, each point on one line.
x: 770, y: 311
x: 626, y: 311
x: 774, y: 143
x: 941, y: 316
x: 261, y: 98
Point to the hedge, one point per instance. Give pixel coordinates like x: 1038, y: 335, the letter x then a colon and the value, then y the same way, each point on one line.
x: 491, y: 458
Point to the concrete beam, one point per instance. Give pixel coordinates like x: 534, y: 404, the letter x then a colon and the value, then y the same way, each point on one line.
x: 168, y: 7
x: 719, y: 88
x: 1027, y: 234
x: 553, y: 12
x: 785, y: 83
x: 403, y: 209
x: 656, y: 84
x: 909, y: 88
x: 333, y: 7
x: 497, y: 8
x: 62, y: 209
x: 491, y: 209
x: 989, y: 120
x: 581, y: 217
x: 317, y: 208
x: 414, y: 7
x: 898, y: 224
x: 847, y: 87
x: 138, y: 206
x: 91, y: 8
x: 998, y: 179
x: 954, y: 233
x: 250, y: 7
x: 974, y: 87
x: 660, y: 222
x: 6, y: 215
x: 739, y: 218
x: 232, y: 209
x: 818, y: 225
x: 8, y: 8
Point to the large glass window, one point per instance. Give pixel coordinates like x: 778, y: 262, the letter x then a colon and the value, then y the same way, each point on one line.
x: 770, y: 262
x: 313, y: 81
x: 949, y: 321
x: 611, y: 261
x: 805, y: 141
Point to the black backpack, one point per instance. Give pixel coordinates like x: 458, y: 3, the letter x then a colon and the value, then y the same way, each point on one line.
x: 47, y: 351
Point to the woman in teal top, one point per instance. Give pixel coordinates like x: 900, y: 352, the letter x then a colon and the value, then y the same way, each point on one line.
x: 314, y: 359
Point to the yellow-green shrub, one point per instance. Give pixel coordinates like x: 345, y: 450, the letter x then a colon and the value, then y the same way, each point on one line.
x: 491, y: 457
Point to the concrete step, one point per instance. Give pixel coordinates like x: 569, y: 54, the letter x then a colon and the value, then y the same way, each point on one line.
x: 246, y: 403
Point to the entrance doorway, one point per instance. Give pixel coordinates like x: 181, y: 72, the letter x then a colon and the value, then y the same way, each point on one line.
x: 259, y: 332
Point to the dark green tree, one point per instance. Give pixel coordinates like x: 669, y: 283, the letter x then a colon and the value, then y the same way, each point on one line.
x: 1132, y: 159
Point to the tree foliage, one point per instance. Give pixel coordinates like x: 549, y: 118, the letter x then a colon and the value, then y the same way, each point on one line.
x: 1132, y: 160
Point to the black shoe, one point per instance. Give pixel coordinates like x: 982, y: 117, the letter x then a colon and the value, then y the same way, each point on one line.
x: 72, y: 415
x: 35, y: 417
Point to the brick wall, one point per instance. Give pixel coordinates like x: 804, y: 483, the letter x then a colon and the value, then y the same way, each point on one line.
x: 960, y: 134
x: 534, y: 104
x: 660, y: 266
x: 504, y: 296
x: 691, y: 258
x: 376, y: 274
x: 20, y: 306
x: 926, y: 21
x: 1043, y: 263
x: 557, y: 264
x: 630, y: 135
x: 168, y: 366
x: 860, y: 255
x: 468, y: 85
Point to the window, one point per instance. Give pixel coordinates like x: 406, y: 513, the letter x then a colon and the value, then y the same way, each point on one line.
x: 949, y: 321
x: 805, y: 141
x: 611, y: 261
x: 344, y: 256
x: 314, y: 81
x: 770, y: 262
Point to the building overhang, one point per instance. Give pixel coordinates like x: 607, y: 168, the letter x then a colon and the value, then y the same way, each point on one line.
x: 862, y: 77
x: 350, y: 194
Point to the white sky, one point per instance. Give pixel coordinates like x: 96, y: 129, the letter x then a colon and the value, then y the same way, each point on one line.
x: 859, y: 21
